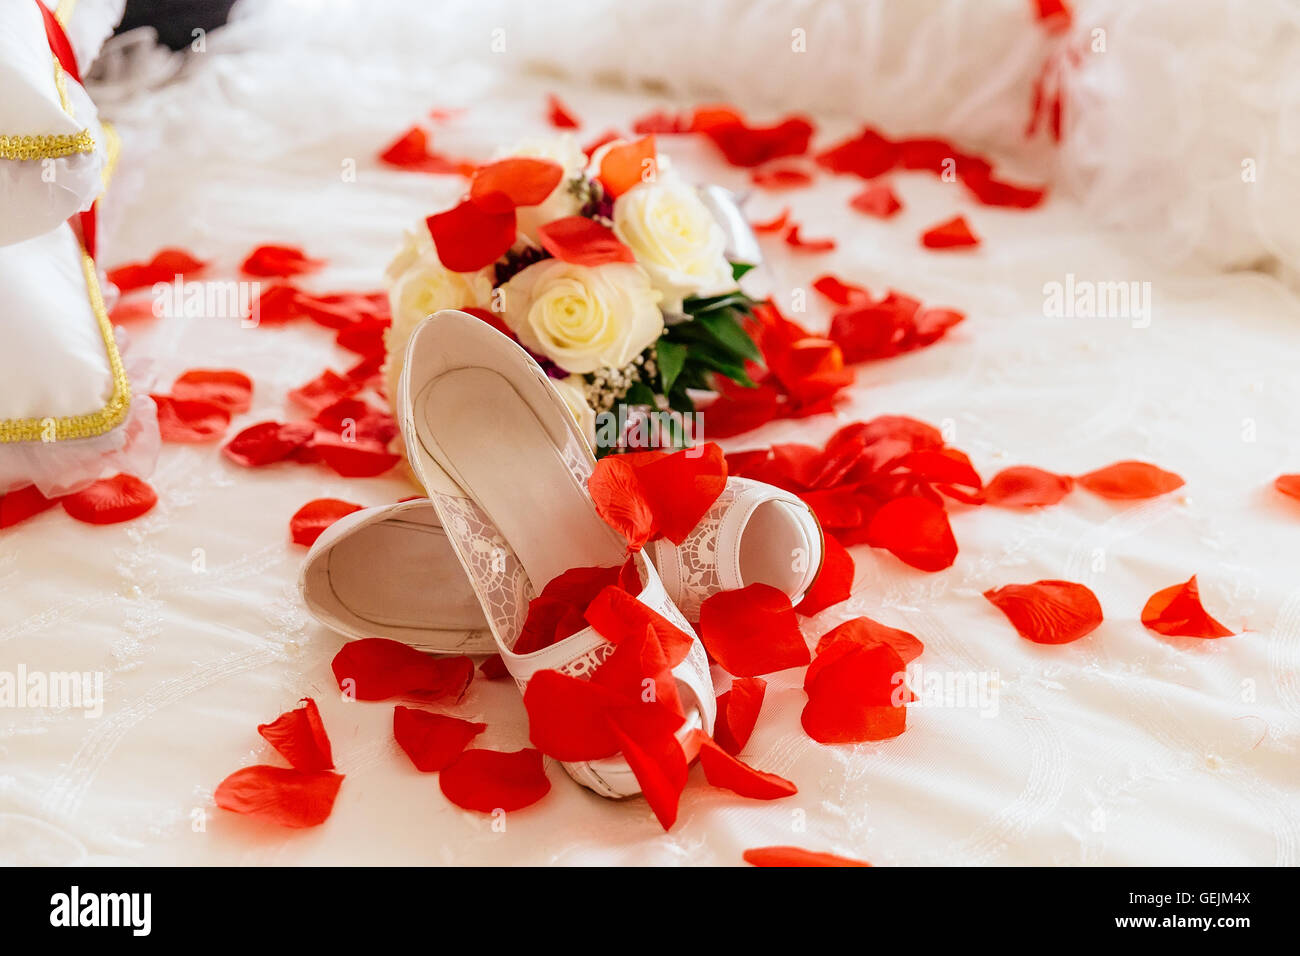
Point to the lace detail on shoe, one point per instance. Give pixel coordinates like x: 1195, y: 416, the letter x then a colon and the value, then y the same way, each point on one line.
x: 697, y: 556
x: 495, y: 572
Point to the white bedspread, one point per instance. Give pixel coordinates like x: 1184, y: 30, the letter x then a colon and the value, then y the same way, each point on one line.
x: 1124, y: 748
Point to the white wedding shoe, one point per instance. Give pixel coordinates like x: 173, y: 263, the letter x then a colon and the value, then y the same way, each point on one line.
x: 506, y: 470
x: 389, y: 571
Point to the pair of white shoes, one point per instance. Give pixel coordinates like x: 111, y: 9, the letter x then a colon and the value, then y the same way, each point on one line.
x: 506, y: 468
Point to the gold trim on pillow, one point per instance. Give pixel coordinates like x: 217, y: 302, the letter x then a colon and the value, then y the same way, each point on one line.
x: 94, y: 423
x: 50, y: 145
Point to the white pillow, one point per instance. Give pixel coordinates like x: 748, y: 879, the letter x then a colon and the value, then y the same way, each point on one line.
x: 66, y: 409
x: 52, y: 149
x: 88, y: 23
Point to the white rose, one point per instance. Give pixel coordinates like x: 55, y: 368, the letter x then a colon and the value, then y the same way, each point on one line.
x: 675, y: 239
x: 583, y: 318
x: 572, y: 390
x: 564, y: 150
x: 421, y: 287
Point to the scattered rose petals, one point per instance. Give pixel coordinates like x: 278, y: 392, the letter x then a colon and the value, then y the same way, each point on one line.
x: 1177, y: 612
x: 323, y: 391
x: 867, y: 155
x: 432, y: 741
x: 834, y: 583
x: 411, y: 151
x: 729, y: 772
x: 299, y: 736
x: 627, y: 165
x: 232, y: 390
x: 280, y: 795
x: 738, y: 710
x: 190, y: 420
x: 490, y: 780
x: 659, y: 765
x: 749, y: 146
x: 916, y: 531
x: 559, y: 115
x: 110, y: 500
x: 163, y: 267
x: 132, y: 310
x: 23, y: 503
x: 467, y: 237
x: 353, y: 459
x: 558, y: 612
x: 795, y: 241
x: 567, y: 716
x: 375, y: 668
x: 955, y: 233
x: 279, y: 261
x: 583, y: 242
x: 794, y: 856
x: 752, y: 631
x: 267, y: 442
x: 646, y: 495
x: 779, y: 224
x: 1130, y: 480
x: 877, y: 200
x: 1022, y: 486
x: 494, y: 668
x: 1048, y: 612
x: 309, y: 521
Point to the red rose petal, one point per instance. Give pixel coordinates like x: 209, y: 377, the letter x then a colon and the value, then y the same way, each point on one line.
x: 834, y: 583
x: 647, y: 495
x: 1287, y: 484
x: 299, y: 736
x: 1129, y: 480
x: 411, y: 151
x: 280, y: 795
x: 323, y: 391
x: 916, y: 531
x: 353, y: 459
x: 628, y: 165
x: 738, y: 711
x: 491, y: 780
x: 432, y: 741
x: 841, y: 292
x: 493, y: 668
x: 659, y: 765
x: 1048, y: 612
x: 618, y: 616
x: 724, y: 770
x: 877, y: 200
x: 267, y: 442
x: 752, y: 631
x: 567, y: 716
x: 1022, y: 486
x: 557, y: 612
x: 163, y: 267
x: 518, y: 181
x: 583, y: 242
x: 132, y: 310
x: 795, y: 241
x: 855, y: 693
x: 231, y: 390
x: 559, y: 115
x: 1177, y: 612
x: 190, y: 421
x: 110, y: 500
x: 865, y: 632
x: 309, y: 521
x: 279, y: 261
x: 748, y: 146
x: 778, y: 224
x: 468, y: 238
x: 867, y: 155
x: 955, y: 233
x: 23, y: 503
x: 780, y: 177
x: 375, y: 668
x: 795, y: 856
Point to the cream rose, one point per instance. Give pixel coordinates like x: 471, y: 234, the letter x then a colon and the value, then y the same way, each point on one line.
x: 562, y: 202
x: 572, y: 390
x: 420, y: 285
x: 675, y: 238
x: 583, y: 318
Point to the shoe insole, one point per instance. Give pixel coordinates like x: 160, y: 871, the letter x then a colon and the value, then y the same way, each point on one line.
x: 502, y: 454
x: 403, y: 574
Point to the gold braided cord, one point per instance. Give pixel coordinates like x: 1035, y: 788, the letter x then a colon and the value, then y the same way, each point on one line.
x: 94, y: 423
x: 48, y: 146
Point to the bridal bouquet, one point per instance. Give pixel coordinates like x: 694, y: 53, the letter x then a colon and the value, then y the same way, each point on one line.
x: 617, y: 275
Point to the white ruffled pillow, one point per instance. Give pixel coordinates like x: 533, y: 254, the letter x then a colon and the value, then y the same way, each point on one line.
x: 52, y: 148
x: 66, y: 409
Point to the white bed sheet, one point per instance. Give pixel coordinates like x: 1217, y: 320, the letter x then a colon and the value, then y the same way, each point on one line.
x: 1124, y: 748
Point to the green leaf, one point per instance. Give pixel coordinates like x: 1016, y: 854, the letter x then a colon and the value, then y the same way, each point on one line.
x: 724, y: 327
x: 671, y: 357
x: 680, y: 401
x: 694, y: 307
x: 640, y: 394
x: 738, y: 269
